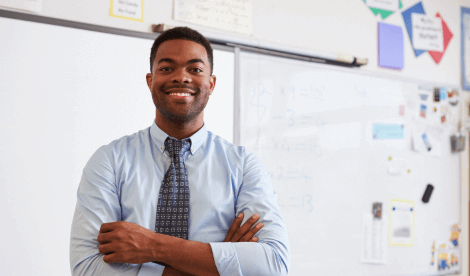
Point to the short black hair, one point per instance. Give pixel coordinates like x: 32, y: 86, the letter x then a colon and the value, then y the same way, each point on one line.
x: 181, y: 33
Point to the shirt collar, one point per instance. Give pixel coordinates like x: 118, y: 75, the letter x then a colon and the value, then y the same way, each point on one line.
x: 159, y: 137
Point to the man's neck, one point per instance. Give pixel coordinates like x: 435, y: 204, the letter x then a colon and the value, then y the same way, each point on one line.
x: 179, y: 131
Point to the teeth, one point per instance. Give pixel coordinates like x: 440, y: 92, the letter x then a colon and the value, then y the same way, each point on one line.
x: 181, y: 94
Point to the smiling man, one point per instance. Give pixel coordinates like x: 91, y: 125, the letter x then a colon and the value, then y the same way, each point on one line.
x: 170, y: 199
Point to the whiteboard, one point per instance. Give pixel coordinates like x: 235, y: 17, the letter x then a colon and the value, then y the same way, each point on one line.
x: 64, y: 93
x: 312, y: 127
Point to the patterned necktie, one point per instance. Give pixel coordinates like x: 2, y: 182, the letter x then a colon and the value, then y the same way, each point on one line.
x: 173, y: 200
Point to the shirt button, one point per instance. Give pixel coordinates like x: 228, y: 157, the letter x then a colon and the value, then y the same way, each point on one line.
x: 161, y: 148
x: 192, y: 149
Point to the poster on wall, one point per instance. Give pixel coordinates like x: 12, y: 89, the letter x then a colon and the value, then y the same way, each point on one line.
x: 232, y: 16
x: 465, y: 19
x: 427, y: 33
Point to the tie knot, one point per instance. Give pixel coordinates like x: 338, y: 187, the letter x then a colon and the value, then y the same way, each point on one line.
x: 176, y: 147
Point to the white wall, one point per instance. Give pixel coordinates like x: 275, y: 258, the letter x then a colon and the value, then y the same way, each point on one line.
x: 337, y: 26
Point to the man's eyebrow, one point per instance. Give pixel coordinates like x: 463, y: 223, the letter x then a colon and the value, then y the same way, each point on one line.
x: 166, y: 60
x: 195, y: 60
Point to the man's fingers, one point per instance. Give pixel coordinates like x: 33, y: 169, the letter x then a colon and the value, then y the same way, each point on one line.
x: 235, y: 225
x: 254, y: 239
x: 251, y: 234
x: 107, y: 227
x: 244, y: 228
x: 110, y: 258
x: 105, y: 249
x: 104, y: 238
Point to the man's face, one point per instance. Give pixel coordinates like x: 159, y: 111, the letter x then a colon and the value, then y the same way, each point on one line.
x: 181, y: 81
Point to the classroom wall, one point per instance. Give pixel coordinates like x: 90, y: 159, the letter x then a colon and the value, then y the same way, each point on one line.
x: 337, y: 26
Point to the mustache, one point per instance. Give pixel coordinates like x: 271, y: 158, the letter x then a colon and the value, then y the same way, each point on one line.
x: 184, y: 86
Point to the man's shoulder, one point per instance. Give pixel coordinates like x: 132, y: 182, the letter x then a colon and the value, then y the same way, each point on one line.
x: 223, y: 145
x: 128, y: 142
x: 231, y: 150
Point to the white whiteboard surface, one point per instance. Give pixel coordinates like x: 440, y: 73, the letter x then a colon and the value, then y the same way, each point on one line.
x: 311, y: 126
x: 64, y: 93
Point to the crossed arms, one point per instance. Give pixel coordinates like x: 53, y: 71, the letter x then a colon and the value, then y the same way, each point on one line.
x: 124, y: 242
x: 102, y: 198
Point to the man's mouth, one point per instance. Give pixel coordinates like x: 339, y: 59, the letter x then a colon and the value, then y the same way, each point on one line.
x: 180, y: 94
x: 180, y: 91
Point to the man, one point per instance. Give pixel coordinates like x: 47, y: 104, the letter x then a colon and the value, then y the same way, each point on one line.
x: 170, y: 199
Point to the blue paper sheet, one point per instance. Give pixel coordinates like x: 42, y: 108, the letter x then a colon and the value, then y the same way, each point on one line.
x: 388, y: 131
x: 390, y: 46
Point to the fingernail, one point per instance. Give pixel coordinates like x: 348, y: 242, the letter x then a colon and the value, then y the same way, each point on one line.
x: 240, y: 215
x: 259, y: 225
x: 255, y: 216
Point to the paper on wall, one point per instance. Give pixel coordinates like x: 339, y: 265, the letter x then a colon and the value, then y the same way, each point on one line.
x: 374, y: 240
x: 426, y: 139
x: 233, y: 16
x: 401, y: 222
x: 26, y: 5
x: 427, y: 33
x: 128, y: 9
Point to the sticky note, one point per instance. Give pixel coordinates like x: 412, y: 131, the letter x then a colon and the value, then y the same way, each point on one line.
x: 388, y: 131
x: 390, y: 46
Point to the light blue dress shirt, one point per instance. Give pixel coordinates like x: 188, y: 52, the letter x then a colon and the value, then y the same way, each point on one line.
x: 121, y: 182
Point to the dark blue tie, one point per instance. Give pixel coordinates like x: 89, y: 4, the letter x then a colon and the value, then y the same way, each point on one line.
x: 173, y: 200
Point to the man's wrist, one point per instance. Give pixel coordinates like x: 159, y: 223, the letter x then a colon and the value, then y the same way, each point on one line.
x: 158, y: 251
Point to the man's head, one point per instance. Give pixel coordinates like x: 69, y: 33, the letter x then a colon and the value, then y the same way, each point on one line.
x: 184, y: 33
x: 181, y: 79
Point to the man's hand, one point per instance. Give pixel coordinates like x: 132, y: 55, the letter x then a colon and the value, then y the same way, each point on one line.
x: 243, y: 233
x: 126, y: 242
x: 234, y: 234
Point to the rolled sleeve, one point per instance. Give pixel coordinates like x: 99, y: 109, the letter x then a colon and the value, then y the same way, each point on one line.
x: 97, y: 203
x: 270, y: 255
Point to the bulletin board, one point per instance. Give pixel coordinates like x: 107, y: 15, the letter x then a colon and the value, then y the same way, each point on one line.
x: 337, y: 141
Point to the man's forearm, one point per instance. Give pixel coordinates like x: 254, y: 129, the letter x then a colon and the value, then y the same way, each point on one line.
x: 187, y: 256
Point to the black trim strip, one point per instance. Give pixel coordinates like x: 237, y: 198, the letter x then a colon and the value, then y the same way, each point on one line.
x: 74, y: 24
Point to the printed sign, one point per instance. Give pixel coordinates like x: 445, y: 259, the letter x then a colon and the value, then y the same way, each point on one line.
x: 427, y: 33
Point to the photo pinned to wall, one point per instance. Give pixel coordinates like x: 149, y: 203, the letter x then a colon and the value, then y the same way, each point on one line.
x: 443, y: 258
x: 433, y: 253
x: 455, y: 235
x: 401, y: 232
x: 129, y: 9
x: 384, y: 7
x: 423, y: 110
x: 426, y: 139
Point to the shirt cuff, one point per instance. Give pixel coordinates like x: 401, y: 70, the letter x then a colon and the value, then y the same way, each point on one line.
x: 151, y: 269
x: 226, y: 259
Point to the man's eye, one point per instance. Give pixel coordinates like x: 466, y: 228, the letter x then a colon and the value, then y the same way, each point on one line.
x: 196, y: 70
x: 165, y: 69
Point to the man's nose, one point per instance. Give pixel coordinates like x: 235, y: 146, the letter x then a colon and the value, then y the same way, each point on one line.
x: 181, y: 76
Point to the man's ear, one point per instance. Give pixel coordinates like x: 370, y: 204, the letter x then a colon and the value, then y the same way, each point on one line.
x: 149, y: 78
x: 212, y: 80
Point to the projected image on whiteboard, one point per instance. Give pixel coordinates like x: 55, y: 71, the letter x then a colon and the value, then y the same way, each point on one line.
x: 401, y: 222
